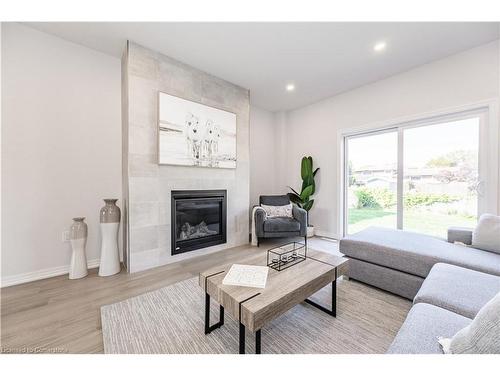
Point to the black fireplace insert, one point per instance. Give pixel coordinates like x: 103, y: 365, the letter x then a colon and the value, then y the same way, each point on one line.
x: 198, y: 219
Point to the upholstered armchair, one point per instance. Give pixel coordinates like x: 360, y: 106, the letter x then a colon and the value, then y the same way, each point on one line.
x: 271, y: 227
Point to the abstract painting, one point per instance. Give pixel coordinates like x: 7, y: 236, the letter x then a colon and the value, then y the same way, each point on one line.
x: 195, y: 134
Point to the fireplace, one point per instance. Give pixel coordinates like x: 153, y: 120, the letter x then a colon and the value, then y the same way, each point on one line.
x: 198, y: 219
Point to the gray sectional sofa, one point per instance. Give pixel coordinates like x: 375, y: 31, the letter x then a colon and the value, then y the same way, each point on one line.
x: 450, y: 297
x: 448, y: 283
x: 399, y: 261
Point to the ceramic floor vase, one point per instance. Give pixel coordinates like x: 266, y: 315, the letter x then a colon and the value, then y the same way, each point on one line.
x: 110, y: 223
x: 78, y: 239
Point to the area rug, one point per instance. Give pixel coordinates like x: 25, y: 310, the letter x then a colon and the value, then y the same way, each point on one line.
x: 171, y: 321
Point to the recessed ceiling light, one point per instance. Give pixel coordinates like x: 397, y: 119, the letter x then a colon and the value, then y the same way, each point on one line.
x: 290, y: 87
x: 380, y: 46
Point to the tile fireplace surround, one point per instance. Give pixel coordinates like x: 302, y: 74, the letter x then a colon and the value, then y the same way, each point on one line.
x: 147, y: 186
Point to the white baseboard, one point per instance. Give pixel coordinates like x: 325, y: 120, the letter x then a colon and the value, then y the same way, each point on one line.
x: 321, y: 233
x: 42, y: 274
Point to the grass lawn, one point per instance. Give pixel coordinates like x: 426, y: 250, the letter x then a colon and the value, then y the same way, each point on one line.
x: 418, y: 221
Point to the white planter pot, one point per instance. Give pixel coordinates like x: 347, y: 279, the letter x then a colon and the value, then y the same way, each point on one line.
x: 78, y: 265
x: 310, y: 231
x: 110, y: 224
x: 110, y: 256
x: 78, y: 239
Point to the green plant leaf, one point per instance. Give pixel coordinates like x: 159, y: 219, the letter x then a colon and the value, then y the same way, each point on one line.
x: 308, y: 205
x: 295, y: 198
x: 305, y: 168
x: 307, y: 182
x: 306, y: 193
x: 292, y: 189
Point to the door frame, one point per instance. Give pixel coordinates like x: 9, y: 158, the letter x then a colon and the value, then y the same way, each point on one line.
x: 344, y: 176
x: 488, y: 151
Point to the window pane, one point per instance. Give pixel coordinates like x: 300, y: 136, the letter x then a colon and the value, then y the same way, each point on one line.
x: 372, y: 183
x: 440, y: 176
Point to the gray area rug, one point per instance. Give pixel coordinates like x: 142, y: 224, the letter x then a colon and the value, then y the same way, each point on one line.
x: 171, y: 321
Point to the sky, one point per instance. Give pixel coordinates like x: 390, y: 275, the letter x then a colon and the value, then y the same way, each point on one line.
x: 420, y: 144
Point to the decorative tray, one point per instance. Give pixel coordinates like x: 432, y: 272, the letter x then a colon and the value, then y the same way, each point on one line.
x: 287, y: 255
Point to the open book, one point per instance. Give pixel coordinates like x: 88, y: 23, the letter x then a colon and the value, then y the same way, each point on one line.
x: 245, y: 275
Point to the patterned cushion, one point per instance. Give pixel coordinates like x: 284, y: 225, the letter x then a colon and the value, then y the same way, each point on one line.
x: 278, y: 211
x: 486, y: 235
x: 482, y: 336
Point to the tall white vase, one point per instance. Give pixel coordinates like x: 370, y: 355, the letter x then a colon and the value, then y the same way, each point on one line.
x: 78, y: 239
x: 110, y: 223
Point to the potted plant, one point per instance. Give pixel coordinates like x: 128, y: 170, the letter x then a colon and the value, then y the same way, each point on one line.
x: 303, y: 199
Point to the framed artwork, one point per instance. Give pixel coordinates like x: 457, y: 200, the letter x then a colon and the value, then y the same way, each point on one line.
x: 194, y: 134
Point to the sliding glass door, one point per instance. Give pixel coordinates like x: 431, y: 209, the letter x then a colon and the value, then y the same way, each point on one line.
x: 440, y: 176
x: 423, y: 177
x: 372, y: 161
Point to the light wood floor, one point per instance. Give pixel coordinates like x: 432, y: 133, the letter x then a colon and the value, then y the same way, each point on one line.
x: 61, y: 315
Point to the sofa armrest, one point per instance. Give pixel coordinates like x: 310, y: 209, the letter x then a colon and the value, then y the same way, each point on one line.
x: 460, y: 234
x: 260, y: 217
x: 300, y: 215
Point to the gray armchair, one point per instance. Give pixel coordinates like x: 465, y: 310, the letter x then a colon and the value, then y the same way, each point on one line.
x: 280, y: 226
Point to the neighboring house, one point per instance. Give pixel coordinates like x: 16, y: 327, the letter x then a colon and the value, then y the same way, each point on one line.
x: 381, y: 183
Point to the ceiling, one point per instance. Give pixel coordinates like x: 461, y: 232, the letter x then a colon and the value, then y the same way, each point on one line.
x: 321, y: 59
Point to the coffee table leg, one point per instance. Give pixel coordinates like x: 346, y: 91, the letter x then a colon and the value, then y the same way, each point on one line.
x: 258, y: 346
x: 220, y: 323
x: 257, y: 342
x: 242, y: 339
x: 333, y: 311
x: 334, y: 297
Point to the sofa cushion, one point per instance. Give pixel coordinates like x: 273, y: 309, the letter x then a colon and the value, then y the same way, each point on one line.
x: 414, y: 253
x: 486, y: 234
x: 422, y: 327
x: 482, y: 336
x: 458, y: 289
x: 281, y: 224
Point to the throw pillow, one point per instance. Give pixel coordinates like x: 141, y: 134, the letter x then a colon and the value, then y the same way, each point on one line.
x: 278, y: 211
x: 482, y: 336
x: 486, y: 235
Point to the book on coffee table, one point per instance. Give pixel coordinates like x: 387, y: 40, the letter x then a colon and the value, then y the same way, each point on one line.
x: 246, y: 275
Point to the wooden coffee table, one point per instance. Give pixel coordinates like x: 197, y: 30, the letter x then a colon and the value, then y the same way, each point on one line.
x: 254, y: 307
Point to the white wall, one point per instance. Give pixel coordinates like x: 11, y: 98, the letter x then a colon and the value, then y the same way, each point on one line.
x: 282, y: 174
x: 61, y: 148
x: 458, y: 80
x: 263, y: 154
